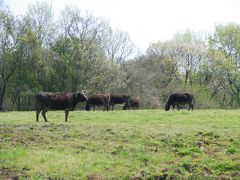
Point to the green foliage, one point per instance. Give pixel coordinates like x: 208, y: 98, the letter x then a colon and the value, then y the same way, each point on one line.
x: 78, y: 51
x: 228, y: 167
x: 224, y: 54
x: 12, y: 155
x: 232, y: 149
x: 44, y: 59
x: 226, y: 39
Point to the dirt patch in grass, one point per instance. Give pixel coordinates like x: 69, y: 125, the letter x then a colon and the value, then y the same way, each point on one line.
x: 7, y: 174
x: 94, y: 177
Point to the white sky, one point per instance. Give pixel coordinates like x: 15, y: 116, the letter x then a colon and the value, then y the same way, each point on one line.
x: 151, y: 20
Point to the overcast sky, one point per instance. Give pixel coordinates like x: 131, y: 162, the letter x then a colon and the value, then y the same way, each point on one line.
x: 151, y: 20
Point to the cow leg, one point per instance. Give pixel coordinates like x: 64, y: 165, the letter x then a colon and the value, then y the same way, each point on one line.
x: 178, y: 107
x: 37, y: 114
x: 104, y: 107
x: 173, y: 106
x: 128, y: 104
x: 66, y: 114
x: 44, y: 114
x: 190, y: 106
x: 112, y: 107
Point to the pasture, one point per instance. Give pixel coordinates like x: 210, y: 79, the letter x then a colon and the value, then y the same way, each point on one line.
x: 144, y: 144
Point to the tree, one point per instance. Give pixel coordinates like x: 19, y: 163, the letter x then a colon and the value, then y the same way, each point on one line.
x: 227, y: 40
x: 149, y: 76
x: 24, y: 82
x: 40, y: 20
x: 9, y: 58
x: 190, y: 49
x: 84, y: 35
x: 224, y: 53
x: 118, y: 45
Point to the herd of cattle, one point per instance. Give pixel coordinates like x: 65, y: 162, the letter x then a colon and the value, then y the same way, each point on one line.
x: 67, y: 101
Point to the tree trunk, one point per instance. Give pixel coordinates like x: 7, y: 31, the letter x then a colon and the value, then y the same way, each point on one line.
x: 18, y: 102
x: 186, y: 77
x: 2, y: 93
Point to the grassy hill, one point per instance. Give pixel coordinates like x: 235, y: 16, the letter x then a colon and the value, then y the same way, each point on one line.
x: 144, y: 144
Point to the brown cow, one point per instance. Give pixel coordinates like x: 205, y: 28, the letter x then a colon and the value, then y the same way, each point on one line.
x: 120, y: 99
x: 134, y: 103
x: 57, y: 101
x: 180, y: 99
x: 98, y: 100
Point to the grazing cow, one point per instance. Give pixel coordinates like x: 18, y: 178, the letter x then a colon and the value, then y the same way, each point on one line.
x: 98, y: 100
x: 134, y: 103
x: 120, y: 99
x: 57, y: 101
x: 180, y: 99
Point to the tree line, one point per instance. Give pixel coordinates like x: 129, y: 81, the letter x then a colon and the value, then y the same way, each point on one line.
x: 75, y: 51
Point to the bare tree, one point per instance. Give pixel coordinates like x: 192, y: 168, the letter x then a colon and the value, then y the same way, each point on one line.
x: 190, y: 50
x: 118, y: 45
x: 41, y: 21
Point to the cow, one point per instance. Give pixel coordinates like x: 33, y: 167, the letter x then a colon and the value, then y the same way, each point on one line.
x: 134, y: 103
x: 58, y: 101
x: 180, y: 99
x: 98, y: 100
x: 120, y: 99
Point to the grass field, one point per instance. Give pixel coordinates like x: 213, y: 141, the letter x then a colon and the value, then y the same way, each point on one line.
x: 144, y: 144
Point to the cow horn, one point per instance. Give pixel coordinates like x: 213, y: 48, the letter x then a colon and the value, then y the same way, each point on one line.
x: 83, y: 91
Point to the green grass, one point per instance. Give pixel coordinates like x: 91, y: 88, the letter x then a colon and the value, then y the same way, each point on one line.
x: 144, y: 144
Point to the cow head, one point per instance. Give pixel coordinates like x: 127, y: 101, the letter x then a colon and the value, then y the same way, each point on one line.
x: 167, y: 107
x: 80, y: 96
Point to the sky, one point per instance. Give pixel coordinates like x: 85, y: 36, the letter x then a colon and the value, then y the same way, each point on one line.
x: 149, y: 21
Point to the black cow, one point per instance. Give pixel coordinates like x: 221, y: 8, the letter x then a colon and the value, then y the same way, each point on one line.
x: 134, y: 103
x: 120, y: 99
x: 98, y: 100
x: 57, y: 101
x: 180, y: 99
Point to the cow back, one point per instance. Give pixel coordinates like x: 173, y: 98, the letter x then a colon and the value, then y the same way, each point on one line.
x: 99, y: 99
x: 56, y: 101
x: 119, y: 98
x: 180, y: 98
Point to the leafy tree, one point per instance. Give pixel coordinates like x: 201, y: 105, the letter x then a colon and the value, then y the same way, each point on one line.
x: 84, y: 33
x: 40, y: 20
x: 225, y: 58
x: 9, y: 57
x: 24, y: 82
